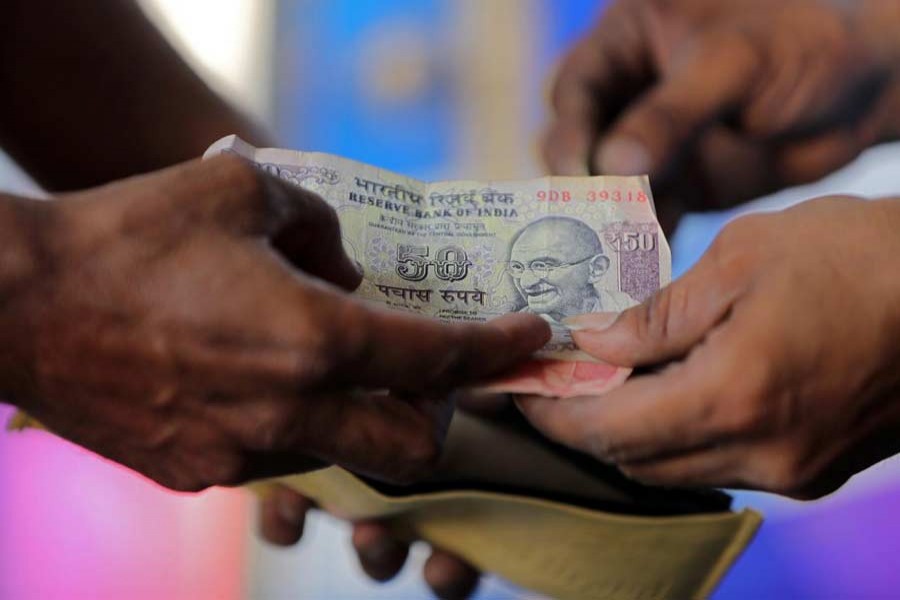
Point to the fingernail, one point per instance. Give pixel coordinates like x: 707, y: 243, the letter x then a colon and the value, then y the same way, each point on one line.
x: 593, y: 322
x: 289, y: 511
x: 623, y: 156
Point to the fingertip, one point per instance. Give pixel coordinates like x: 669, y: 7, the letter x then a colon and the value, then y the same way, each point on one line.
x: 369, y: 533
x: 450, y: 577
x: 381, y: 556
x: 623, y: 155
x: 282, y: 516
x: 565, y: 150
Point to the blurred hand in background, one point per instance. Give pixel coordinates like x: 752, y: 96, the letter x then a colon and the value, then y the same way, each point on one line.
x: 381, y: 553
x: 723, y: 101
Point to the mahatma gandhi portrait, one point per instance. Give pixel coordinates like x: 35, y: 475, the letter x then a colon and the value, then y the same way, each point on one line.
x: 555, y: 263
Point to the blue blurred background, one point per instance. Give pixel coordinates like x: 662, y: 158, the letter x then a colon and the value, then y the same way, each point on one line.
x: 435, y: 89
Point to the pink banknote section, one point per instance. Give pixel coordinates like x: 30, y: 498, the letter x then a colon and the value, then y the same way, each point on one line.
x: 560, y: 379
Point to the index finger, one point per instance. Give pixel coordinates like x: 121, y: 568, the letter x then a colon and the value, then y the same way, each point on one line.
x: 390, y: 349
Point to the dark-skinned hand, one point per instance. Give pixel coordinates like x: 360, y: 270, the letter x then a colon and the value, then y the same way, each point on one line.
x: 781, y: 354
x: 721, y: 101
x: 192, y: 325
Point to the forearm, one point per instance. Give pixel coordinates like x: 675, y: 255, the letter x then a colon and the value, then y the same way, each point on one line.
x: 91, y: 92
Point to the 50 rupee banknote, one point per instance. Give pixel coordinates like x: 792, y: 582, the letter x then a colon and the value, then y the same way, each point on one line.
x: 474, y: 250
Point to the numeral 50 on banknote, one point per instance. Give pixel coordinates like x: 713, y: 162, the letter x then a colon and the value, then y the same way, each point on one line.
x: 450, y: 263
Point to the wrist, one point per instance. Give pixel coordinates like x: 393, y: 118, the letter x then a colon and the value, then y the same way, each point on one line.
x: 22, y: 227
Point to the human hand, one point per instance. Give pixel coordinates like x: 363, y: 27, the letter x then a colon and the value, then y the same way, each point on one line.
x: 381, y: 554
x: 786, y: 362
x: 178, y: 323
x: 721, y: 102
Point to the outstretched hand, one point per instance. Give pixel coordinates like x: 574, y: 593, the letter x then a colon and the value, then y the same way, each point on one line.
x: 193, y: 325
x: 782, y: 359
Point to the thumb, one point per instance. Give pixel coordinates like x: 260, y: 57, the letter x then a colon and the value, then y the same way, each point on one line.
x: 711, y: 80
x: 666, y: 326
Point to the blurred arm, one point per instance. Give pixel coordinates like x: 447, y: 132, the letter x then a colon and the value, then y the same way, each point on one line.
x: 91, y: 92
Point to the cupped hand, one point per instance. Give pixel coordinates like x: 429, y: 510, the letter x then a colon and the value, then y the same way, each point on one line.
x: 190, y: 324
x: 720, y: 102
x: 381, y: 554
x: 782, y: 352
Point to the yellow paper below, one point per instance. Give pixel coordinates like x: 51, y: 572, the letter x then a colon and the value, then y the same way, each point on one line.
x: 553, y: 548
x: 557, y: 549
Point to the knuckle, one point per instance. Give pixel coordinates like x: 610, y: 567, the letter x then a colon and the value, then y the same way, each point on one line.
x: 356, y: 345
x: 314, y: 364
x: 456, y: 359
x: 227, y: 469
x: 658, y: 119
x: 202, y: 470
x: 566, y: 82
x: 224, y: 468
x: 459, y: 362
x: 419, y: 457
x: 320, y: 355
x: 733, y: 240
x: 238, y: 174
x: 179, y: 482
x: 601, y: 445
x: 422, y: 453
x: 738, y: 248
x: 170, y: 470
x: 652, y: 321
x: 743, y: 416
x: 270, y: 428
x: 748, y: 412
x: 244, y: 188
x: 756, y: 405
x: 784, y: 478
x: 648, y: 474
x: 163, y: 436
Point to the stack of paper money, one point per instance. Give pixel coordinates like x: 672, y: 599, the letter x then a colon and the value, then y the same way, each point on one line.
x: 472, y: 250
